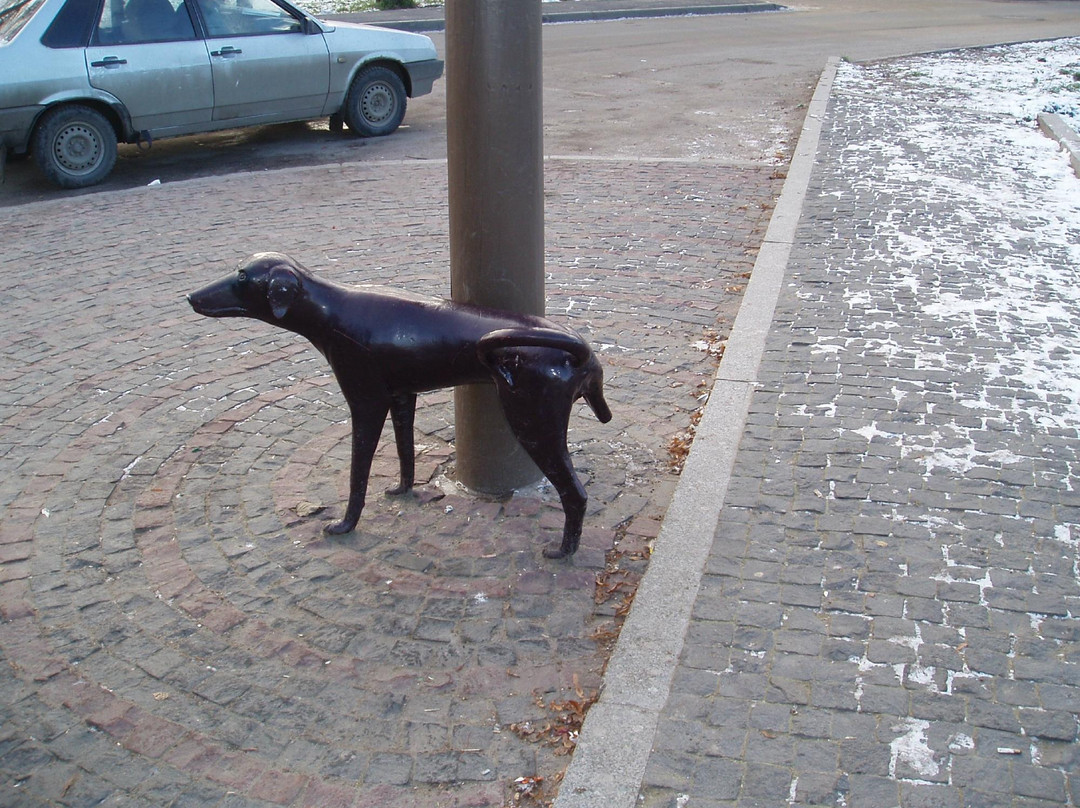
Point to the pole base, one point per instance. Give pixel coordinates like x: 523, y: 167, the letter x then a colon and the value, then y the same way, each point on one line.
x: 495, y: 462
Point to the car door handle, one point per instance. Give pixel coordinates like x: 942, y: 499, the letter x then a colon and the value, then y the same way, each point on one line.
x: 226, y: 52
x: 109, y: 61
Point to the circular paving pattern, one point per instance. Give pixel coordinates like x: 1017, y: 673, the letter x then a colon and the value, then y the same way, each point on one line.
x: 176, y: 628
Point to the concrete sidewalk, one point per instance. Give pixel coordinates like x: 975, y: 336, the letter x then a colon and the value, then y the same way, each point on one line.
x: 866, y: 589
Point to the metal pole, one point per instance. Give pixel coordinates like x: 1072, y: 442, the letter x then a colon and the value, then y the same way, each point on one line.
x: 494, y: 135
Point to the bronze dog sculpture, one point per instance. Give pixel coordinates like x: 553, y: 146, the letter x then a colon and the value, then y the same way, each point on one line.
x: 385, y: 347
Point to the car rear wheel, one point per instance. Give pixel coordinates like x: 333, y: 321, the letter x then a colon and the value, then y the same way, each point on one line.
x: 74, y: 146
x: 375, y: 104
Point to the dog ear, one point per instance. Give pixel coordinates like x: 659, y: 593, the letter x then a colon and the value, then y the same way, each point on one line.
x: 282, y: 290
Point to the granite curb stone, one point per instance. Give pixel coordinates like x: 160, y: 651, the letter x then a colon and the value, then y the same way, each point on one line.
x: 1060, y: 129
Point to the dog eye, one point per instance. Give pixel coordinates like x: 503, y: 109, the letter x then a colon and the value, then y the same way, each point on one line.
x: 241, y: 276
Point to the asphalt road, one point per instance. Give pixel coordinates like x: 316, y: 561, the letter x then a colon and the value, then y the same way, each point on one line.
x: 726, y: 88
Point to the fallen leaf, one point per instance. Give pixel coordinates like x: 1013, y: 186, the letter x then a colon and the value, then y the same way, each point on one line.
x: 308, y: 508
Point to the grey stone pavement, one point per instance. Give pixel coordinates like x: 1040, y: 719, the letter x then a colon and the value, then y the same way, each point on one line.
x: 883, y: 606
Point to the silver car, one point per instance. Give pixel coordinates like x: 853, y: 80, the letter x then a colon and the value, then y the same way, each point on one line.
x: 78, y: 76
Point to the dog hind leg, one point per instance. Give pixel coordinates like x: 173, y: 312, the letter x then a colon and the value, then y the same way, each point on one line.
x: 368, y: 418
x: 553, y: 459
x: 536, y: 398
x: 403, y: 414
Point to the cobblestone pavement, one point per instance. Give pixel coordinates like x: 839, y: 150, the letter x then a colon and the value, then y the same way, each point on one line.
x: 175, y: 633
x: 889, y: 616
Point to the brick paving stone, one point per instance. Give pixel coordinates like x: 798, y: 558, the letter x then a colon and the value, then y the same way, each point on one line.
x: 188, y: 638
x: 896, y: 558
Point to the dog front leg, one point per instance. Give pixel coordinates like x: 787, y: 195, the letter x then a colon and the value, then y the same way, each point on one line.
x: 403, y: 414
x: 367, y: 423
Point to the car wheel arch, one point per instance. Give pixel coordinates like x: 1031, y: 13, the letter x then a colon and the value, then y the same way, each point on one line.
x: 383, y: 61
x: 115, y: 113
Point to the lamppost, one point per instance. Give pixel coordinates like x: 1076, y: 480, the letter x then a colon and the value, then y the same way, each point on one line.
x: 494, y: 132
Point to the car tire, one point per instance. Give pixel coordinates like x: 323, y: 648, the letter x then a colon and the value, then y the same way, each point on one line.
x: 375, y: 103
x: 74, y: 146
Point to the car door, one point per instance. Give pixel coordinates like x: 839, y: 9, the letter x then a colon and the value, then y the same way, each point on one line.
x: 147, y: 54
x: 267, y: 64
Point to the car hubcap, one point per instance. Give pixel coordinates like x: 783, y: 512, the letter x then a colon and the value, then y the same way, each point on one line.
x: 377, y: 103
x: 78, y: 148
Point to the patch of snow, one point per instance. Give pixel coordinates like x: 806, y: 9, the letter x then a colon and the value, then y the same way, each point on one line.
x: 961, y: 743
x: 1069, y: 535
x: 911, y: 749
x: 923, y: 676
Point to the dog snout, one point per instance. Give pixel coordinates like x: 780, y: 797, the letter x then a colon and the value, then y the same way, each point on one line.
x: 197, y: 301
x: 218, y: 299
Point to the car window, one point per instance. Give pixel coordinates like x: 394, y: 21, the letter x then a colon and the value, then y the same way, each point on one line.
x: 14, y: 14
x: 71, y: 26
x: 247, y: 17
x: 134, y: 21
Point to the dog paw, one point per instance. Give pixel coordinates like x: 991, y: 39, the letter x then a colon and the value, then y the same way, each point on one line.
x: 398, y: 490
x: 555, y: 552
x: 338, y: 528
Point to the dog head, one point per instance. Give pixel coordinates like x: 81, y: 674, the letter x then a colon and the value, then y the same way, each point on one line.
x: 264, y: 287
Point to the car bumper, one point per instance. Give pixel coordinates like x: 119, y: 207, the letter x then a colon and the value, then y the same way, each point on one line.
x: 422, y: 75
x: 15, y: 126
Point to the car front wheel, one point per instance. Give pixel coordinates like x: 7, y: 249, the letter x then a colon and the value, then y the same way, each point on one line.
x: 375, y: 103
x: 74, y: 146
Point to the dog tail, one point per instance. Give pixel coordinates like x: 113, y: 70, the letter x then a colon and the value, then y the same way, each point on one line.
x: 533, y: 338
x: 594, y: 392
